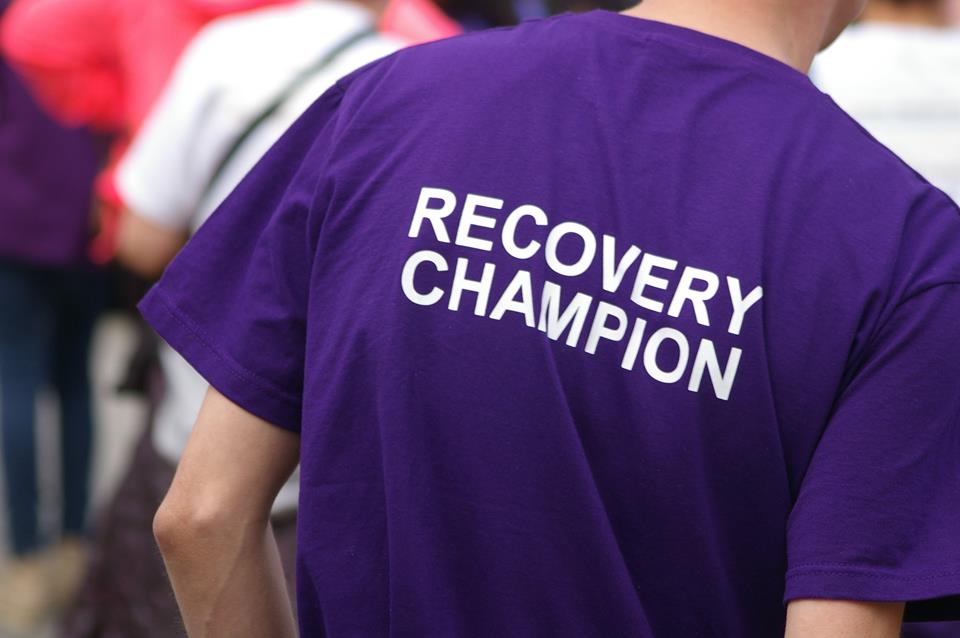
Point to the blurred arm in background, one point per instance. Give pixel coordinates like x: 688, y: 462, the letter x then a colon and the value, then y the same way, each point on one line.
x: 146, y: 247
x: 929, y: 13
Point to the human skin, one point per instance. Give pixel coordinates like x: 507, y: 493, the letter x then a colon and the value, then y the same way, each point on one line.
x: 787, y: 30
x: 214, y: 531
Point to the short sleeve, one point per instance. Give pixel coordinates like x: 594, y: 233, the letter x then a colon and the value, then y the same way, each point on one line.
x: 234, y: 301
x: 878, y: 513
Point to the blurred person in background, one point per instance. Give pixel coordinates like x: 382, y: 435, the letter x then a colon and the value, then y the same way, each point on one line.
x: 225, y: 104
x: 897, y: 72
x: 417, y: 21
x: 102, y: 63
x: 609, y: 324
x: 49, y: 298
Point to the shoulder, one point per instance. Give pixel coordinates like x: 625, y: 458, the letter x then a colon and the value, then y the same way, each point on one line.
x: 886, y: 206
x: 853, y: 153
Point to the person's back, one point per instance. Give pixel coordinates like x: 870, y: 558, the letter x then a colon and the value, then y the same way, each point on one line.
x: 611, y: 328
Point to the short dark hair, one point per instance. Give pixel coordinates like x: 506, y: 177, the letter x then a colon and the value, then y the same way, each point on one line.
x: 497, y: 13
x: 562, y: 6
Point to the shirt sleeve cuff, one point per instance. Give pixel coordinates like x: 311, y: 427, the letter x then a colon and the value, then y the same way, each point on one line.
x: 229, y: 378
x: 850, y: 582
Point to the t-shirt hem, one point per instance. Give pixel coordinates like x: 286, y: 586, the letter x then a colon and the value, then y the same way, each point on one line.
x: 229, y: 378
x: 850, y: 582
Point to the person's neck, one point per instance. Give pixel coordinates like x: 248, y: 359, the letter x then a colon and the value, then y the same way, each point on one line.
x: 791, y: 37
x: 928, y: 14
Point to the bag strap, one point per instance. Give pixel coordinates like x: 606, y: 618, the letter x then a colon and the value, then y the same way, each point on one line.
x: 329, y: 58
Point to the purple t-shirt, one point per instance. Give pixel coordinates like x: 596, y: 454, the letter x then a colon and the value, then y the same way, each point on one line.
x: 591, y: 327
x: 46, y: 182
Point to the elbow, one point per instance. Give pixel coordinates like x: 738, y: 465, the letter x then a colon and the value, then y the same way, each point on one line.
x: 180, y: 527
x: 185, y: 526
x: 166, y: 529
x: 172, y: 528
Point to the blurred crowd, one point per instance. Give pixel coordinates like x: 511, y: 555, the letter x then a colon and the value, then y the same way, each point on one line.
x: 124, y: 123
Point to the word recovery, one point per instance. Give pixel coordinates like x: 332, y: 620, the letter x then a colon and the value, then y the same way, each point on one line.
x: 567, y: 316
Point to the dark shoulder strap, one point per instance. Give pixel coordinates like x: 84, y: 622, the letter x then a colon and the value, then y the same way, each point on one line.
x: 329, y: 58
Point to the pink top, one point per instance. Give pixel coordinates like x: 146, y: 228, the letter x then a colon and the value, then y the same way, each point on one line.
x: 103, y: 62
x: 418, y: 21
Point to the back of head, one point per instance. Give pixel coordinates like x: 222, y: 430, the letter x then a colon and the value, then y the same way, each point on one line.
x: 562, y: 6
x: 494, y: 13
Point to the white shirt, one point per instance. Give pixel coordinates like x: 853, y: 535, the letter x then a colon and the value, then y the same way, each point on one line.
x: 226, y: 78
x: 902, y: 84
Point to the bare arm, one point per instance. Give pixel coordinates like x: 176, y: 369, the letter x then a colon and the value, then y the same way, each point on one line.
x: 146, y: 248
x: 214, y: 531
x: 843, y: 619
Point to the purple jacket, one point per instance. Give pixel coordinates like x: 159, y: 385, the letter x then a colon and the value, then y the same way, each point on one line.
x: 46, y: 177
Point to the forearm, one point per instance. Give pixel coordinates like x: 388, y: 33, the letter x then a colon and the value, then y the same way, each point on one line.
x: 213, y: 526
x: 843, y: 619
x: 228, y: 580
x: 145, y: 247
